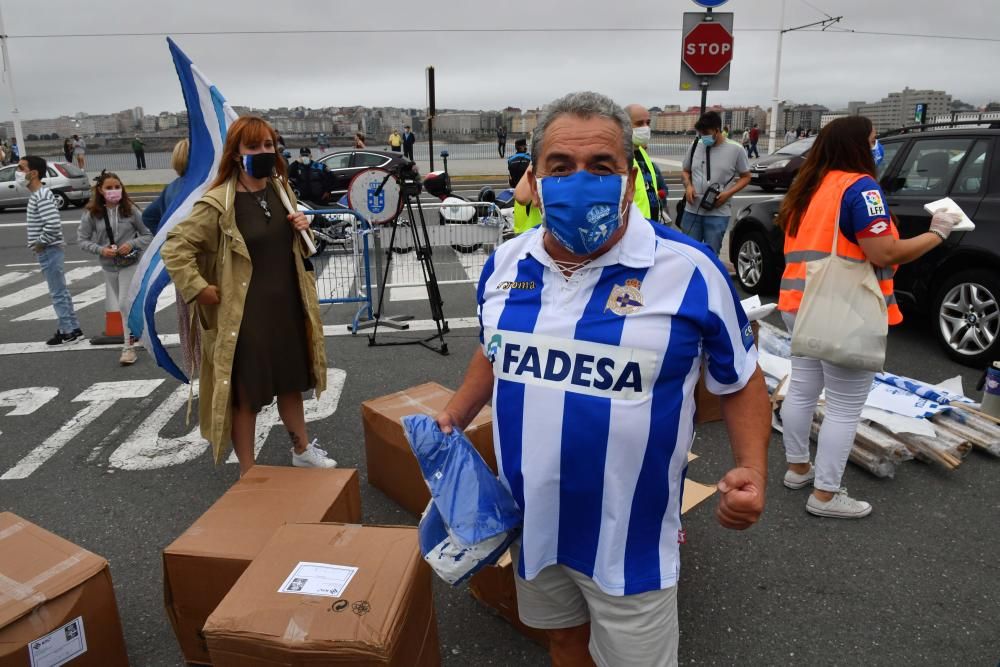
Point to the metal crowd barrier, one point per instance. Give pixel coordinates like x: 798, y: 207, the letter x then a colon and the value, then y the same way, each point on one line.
x: 459, y: 250
x: 343, y: 268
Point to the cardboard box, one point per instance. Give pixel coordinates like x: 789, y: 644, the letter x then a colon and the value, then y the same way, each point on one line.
x: 494, y: 585
x: 202, y: 564
x: 382, y: 613
x: 57, y: 603
x: 392, y: 467
x: 708, y: 406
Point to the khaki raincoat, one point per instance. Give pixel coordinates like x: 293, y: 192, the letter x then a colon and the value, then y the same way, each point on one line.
x: 208, y: 249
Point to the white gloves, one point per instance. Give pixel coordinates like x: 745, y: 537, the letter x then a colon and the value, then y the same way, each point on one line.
x: 943, y: 222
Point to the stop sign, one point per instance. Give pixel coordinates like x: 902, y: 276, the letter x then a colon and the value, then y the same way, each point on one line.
x: 707, y: 49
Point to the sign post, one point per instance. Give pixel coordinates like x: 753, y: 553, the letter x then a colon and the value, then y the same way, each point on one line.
x: 920, y: 113
x: 706, y: 50
x: 430, y: 115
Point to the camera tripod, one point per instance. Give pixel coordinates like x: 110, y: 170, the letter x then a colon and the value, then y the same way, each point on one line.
x: 410, y: 190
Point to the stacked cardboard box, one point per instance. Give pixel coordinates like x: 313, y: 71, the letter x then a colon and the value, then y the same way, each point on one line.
x: 57, y: 603
x: 329, y: 594
x: 202, y: 564
x: 392, y: 467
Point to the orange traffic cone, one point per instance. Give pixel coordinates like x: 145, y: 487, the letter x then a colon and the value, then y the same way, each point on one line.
x: 114, y: 332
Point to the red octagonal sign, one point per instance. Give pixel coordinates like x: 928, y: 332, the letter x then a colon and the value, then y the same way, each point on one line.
x: 707, y: 49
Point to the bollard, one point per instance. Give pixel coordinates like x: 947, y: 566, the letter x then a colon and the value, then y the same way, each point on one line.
x: 114, y: 331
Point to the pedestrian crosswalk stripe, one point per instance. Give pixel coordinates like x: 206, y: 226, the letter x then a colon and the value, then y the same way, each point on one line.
x: 13, y: 277
x: 39, y: 289
x: 80, y: 301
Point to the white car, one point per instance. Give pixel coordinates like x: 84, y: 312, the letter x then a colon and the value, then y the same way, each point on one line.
x: 67, y: 182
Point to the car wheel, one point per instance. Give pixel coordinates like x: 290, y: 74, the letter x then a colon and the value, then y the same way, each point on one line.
x: 754, y: 262
x: 967, y: 317
x: 62, y: 202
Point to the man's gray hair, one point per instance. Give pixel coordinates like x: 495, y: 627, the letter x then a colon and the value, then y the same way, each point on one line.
x: 585, y: 104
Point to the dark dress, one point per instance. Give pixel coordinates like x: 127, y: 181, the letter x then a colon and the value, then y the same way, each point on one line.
x: 271, y: 353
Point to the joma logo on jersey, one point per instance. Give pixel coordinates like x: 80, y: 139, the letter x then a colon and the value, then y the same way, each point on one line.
x: 571, y: 365
x: 511, y: 284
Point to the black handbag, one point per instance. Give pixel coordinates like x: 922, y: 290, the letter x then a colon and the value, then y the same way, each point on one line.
x: 120, y: 260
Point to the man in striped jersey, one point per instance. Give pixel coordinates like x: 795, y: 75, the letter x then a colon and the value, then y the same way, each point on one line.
x: 45, y: 237
x: 594, y: 330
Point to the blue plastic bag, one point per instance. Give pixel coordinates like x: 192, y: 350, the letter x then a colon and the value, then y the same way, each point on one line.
x: 471, y: 518
x: 473, y: 504
x: 450, y: 560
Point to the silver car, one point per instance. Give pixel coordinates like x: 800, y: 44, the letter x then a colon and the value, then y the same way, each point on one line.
x: 67, y: 182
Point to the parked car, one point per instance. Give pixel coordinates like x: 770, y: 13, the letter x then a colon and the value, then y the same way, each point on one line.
x: 343, y: 164
x: 958, y: 283
x: 68, y: 183
x: 779, y: 168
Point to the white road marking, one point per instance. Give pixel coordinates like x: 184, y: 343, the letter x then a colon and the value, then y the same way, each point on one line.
x: 315, y: 410
x: 80, y: 301
x: 99, y: 398
x: 407, y: 293
x: 167, y: 298
x: 25, y: 224
x: 146, y: 449
x: 14, y: 276
x: 172, y: 340
x: 39, y: 289
x: 35, y: 264
x: 27, y: 400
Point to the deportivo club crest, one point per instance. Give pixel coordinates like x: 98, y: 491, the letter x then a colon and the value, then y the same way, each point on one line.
x: 625, y: 299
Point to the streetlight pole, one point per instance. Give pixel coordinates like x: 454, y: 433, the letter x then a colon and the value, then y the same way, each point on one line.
x: 775, y: 100
x: 8, y: 76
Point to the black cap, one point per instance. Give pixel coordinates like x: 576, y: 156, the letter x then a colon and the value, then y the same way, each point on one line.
x: 305, y: 151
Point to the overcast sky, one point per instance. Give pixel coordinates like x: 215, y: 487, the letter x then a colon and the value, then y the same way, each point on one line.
x: 63, y: 75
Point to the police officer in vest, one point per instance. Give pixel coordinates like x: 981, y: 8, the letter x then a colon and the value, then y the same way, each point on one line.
x: 526, y: 216
x: 648, y: 199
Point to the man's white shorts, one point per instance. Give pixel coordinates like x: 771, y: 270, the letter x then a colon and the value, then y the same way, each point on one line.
x: 624, y: 629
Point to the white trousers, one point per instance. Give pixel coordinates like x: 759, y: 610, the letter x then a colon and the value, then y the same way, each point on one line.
x: 116, y: 284
x: 846, y: 392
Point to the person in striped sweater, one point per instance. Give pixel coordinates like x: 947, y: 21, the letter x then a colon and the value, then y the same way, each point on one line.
x: 45, y: 238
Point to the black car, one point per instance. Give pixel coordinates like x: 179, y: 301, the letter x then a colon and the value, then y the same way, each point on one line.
x: 343, y: 164
x: 779, y: 168
x: 958, y: 283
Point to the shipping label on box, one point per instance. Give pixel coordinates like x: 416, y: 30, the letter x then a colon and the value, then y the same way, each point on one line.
x: 318, y: 579
x: 59, y: 646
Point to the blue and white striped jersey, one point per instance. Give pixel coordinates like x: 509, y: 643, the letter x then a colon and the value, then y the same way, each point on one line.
x: 593, y: 398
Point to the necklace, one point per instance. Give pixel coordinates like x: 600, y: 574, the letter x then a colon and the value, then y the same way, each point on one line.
x: 261, y: 201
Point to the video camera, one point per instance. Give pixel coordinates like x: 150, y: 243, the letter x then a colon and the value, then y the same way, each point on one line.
x: 409, y: 177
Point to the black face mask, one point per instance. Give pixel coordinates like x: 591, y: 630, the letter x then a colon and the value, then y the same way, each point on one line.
x: 259, y: 165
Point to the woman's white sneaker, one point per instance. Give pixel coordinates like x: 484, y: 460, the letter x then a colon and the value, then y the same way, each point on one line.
x: 841, y: 506
x: 794, y: 480
x: 312, y: 457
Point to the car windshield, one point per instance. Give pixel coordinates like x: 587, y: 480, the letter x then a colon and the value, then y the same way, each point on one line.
x: 797, y: 147
x: 72, y: 171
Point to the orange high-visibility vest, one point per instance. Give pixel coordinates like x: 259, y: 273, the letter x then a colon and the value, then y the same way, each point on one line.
x: 815, y: 239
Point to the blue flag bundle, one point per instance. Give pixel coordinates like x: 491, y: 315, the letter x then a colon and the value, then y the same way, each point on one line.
x: 472, y: 518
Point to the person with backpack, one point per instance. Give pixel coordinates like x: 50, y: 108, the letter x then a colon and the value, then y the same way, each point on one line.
x: 112, y: 229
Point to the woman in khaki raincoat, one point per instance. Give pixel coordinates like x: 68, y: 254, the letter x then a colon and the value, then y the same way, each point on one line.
x: 240, y: 258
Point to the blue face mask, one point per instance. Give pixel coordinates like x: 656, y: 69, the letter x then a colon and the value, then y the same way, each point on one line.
x: 708, y: 139
x: 582, y: 211
x: 878, y: 153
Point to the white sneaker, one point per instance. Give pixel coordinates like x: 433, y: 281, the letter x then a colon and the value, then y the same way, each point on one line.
x: 313, y: 457
x: 794, y: 480
x: 841, y: 506
x: 128, y: 357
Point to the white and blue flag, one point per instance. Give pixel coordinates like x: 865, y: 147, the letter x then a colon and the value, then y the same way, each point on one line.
x: 209, y: 116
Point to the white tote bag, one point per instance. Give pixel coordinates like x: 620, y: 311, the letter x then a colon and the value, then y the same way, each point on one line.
x: 843, y: 317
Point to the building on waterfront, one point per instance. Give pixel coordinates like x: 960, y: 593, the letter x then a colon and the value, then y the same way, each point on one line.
x: 897, y: 109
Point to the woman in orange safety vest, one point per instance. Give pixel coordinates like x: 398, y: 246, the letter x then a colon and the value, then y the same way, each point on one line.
x: 837, y: 185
